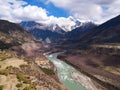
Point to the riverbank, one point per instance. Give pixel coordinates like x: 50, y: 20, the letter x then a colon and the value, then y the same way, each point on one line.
x: 64, y: 73
x: 95, y: 74
x: 81, y: 78
x: 84, y: 80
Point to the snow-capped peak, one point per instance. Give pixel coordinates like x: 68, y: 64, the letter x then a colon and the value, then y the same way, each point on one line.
x: 60, y: 25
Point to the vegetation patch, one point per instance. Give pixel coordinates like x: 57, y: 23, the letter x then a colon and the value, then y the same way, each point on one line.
x: 30, y: 87
x: 48, y: 71
x: 3, y: 57
x: 19, y: 85
x: 23, y: 65
x: 4, y: 72
x: 7, y: 70
x: 22, y: 78
x: 1, y: 87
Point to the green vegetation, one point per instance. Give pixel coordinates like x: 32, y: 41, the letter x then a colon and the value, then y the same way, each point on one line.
x: 10, y: 67
x: 4, y: 72
x: 23, y: 78
x: 1, y: 87
x: 3, y: 57
x: 23, y: 65
x: 30, y: 87
x: 7, y: 70
x: 27, y: 88
x: 19, y: 85
x: 48, y: 71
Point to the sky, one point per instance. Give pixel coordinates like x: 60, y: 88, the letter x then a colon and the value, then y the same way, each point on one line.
x: 54, y: 11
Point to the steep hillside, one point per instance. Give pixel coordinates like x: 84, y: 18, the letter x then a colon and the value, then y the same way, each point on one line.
x: 22, y: 63
x: 108, y: 32
x: 12, y: 35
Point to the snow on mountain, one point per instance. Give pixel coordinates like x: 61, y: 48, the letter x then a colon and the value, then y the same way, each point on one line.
x: 61, y: 24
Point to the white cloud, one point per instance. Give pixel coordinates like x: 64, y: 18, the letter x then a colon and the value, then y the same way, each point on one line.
x: 18, y: 10
x: 95, y: 10
x: 30, y: 13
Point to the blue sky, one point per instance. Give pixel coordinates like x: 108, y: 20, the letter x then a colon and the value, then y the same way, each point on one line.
x: 56, y: 11
x: 52, y: 10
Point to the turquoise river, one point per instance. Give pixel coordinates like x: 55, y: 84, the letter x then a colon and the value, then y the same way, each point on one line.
x: 65, y: 73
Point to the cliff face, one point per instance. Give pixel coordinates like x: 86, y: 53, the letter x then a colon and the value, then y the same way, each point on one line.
x: 19, y: 52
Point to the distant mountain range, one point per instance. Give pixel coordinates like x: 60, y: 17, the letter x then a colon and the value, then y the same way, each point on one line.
x: 43, y: 32
x: 54, y: 32
x: 108, y: 32
x: 83, y: 32
x: 80, y: 30
x: 62, y: 25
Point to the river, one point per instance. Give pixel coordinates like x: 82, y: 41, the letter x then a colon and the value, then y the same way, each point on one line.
x: 66, y: 73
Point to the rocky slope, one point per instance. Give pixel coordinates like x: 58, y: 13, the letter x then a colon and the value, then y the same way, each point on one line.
x: 22, y: 61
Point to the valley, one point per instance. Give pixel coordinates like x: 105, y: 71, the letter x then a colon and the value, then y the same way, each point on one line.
x: 22, y: 63
x: 59, y: 53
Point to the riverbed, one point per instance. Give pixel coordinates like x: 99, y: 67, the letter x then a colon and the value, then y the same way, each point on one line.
x: 71, y: 77
x: 66, y: 73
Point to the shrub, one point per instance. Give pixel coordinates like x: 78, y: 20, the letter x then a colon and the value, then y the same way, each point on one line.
x: 30, y: 87
x: 21, y: 77
x: 1, y: 87
x: 19, y: 85
x: 4, y: 72
x: 27, y: 88
x: 48, y: 71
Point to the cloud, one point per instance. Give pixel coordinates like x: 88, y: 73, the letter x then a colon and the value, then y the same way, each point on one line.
x: 30, y: 13
x: 18, y: 10
x: 91, y: 10
x: 94, y: 10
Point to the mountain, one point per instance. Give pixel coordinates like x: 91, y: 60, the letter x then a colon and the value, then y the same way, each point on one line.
x: 72, y: 29
x: 20, y: 61
x: 12, y: 35
x: 29, y: 25
x: 62, y: 25
x: 43, y: 32
x: 108, y: 32
x: 69, y: 24
x: 80, y: 30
